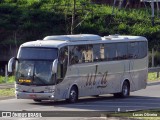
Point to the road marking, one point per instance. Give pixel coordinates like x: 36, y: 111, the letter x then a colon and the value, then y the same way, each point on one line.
x: 108, y: 106
x: 126, y: 102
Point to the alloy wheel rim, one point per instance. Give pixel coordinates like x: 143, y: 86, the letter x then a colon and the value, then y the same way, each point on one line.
x: 73, y: 95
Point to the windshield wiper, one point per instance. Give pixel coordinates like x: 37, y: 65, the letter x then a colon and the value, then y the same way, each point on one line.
x: 39, y: 79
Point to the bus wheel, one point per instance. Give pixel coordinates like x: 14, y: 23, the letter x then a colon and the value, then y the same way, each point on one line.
x: 37, y: 100
x: 125, y: 92
x: 73, y: 95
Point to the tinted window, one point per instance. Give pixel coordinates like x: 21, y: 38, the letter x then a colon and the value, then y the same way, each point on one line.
x: 142, y: 49
x: 102, y: 52
x: 109, y: 51
x: 38, y: 53
x: 133, y: 50
x: 96, y: 52
x: 63, y: 55
x: 62, y: 64
x: 77, y: 54
x: 88, y: 53
x: 122, y: 51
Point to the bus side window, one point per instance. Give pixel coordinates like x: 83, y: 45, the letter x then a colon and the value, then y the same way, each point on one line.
x: 96, y: 52
x: 109, y: 52
x: 133, y: 50
x: 142, y: 49
x: 89, y: 53
x: 122, y: 51
x: 71, y: 55
x: 63, y: 63
x: 76, y: 54
x: 63, y: 55
x: 102, y: 52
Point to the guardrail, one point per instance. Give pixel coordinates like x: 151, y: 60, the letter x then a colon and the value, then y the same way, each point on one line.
x: 154, y: 69
x: 6, y: 85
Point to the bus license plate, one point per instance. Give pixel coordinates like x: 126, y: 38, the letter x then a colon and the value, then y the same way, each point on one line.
x: 33, y: 96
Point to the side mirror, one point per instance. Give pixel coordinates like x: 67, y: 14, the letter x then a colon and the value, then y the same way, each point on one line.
x: 10, y: 64
x: 54, y: 66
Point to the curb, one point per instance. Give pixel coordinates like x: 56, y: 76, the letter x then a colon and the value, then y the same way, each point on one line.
x: 153, y: 83
x: 7, y: 97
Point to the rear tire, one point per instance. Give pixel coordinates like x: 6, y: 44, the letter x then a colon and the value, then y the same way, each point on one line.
x: 125, y: 92
x: 73, y: 95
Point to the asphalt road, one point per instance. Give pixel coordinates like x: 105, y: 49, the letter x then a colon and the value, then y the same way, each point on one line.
x: 148, y: 98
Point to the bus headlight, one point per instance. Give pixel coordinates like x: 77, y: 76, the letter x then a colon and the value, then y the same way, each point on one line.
x: 52, y: 96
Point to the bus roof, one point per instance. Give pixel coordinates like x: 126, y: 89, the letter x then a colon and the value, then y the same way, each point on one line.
x: 62, y: 40
x: 123, y: 38
x: 74, y: 38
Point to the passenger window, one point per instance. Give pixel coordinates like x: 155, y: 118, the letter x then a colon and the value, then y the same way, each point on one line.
x: 76, y: 54
x: 142, y: 49
x: 102, y: 52
x: 121, y: 51
x: 133, y: 50
x: 63, y: 55
x: 62, y: 64
x: 96, y: 52
x: 109, y: 51
x: 88, y: 53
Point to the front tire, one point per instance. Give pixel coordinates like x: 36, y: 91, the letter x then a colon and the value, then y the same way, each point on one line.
x: 125, y: 92
x: 73, y: 95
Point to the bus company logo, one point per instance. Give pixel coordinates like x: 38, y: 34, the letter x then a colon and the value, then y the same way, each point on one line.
x: 6, y: 114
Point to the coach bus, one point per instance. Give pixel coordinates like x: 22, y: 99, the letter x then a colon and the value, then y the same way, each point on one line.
x: 71, y: 66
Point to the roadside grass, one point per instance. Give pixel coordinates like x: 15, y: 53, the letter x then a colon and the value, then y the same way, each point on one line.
x: 10, y: 79
x: 7, y: 92
x: 141, y: 115
x: 153, y: 77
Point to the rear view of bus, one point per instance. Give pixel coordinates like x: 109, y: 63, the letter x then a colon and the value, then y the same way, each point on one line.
x: 73, y: 66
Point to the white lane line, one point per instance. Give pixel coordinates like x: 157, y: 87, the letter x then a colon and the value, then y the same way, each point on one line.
x: 92, y: 105
x: 103, y: 103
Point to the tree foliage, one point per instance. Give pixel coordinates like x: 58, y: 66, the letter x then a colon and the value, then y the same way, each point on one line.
x: 26, y: 20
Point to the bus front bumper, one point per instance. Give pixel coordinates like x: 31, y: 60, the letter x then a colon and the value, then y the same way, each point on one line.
x: 39, y: 96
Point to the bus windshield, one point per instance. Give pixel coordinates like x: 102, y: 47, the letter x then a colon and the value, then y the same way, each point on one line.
x: 38, y: 53
x: 34, y: 66
x: 34, y: 73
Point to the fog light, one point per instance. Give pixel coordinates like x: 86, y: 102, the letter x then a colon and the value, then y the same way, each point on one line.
x: 52, y: 96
